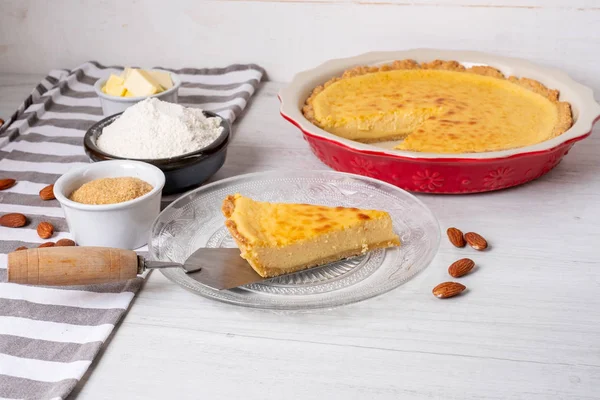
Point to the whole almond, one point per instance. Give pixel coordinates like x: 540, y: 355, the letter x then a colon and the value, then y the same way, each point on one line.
x: 448, y: 289
x: 65, y: 242
x: 7, y: 183
x: 456, y: 237
x: 21, y: 248
x: 1, y: 122
x: 13, y: 220
x: 461, y: 267
x: 476, y: 241
x: 47, y: 193
x: 47, y: 244
x: 45, y: 230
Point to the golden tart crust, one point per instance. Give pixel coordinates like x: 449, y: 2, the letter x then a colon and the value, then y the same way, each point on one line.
x: 492, y: 113
x: 281, y: 238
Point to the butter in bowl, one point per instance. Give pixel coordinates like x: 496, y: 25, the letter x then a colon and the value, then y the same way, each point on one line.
x: 120, y: 91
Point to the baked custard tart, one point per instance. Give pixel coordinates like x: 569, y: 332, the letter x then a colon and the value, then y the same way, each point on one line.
x: 438, y: 107
x: 281, y: 238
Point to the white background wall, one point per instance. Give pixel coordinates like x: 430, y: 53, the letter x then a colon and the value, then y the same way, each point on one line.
x: 286, y: 36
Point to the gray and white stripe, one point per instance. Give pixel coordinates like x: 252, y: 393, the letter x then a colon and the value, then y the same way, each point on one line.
x: 49, y: 336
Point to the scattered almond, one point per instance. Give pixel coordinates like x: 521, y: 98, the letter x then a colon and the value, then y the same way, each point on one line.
x: 13, y: 220
x: 461, y: 267
x: 45, y: 230
x: 1, y: 122
x: 7, y: 183
x: 21, y: 248
x: 456, y: 237
x: 47, y: 193
x: 65, y: 242
x: 476, y: 241
x: 47, y: 244
x: 448, y: 289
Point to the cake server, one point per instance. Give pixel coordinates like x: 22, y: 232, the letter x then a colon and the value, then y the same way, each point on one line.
x: 221, y: 268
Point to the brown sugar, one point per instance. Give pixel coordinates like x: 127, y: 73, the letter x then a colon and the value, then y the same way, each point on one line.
x: 110, y: 190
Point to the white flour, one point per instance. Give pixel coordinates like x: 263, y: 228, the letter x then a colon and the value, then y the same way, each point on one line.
x: 156, y: 129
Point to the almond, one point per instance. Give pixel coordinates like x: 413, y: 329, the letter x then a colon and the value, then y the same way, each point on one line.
x: 21, y: 248
x: 47, y: 193
x: 456, y: 237
x: 65, y: 242
x: 476, y: 241
x: 13, y: 220
x: 47, y: 244
x: 461, y: 267
x: 448, y: 289
x: 45, y: 230
x: 1, y: 122
x: 7, y: 183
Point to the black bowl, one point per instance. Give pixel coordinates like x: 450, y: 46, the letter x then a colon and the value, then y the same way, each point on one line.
x: 181, y: 172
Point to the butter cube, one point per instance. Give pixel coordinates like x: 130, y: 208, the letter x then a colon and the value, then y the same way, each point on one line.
x: 128, y: 94
x: 114, y: 86
x: 140, y: 83
x: 163, y: 78
x: 126, y: 72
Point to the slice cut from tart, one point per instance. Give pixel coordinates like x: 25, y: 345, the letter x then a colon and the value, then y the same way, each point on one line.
x: 281, y: 238
x: 438, y: 107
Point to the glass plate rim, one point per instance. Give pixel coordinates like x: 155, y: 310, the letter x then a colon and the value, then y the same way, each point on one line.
x: 273, y: 174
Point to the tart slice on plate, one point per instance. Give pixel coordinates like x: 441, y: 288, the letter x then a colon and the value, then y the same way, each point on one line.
x: 281, y: 238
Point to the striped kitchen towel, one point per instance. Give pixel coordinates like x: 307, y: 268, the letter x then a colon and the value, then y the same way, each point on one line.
x: 49, y: 336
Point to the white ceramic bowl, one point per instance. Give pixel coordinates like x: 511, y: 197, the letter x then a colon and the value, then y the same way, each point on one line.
x: 113, y: 105
x: 123, y: 225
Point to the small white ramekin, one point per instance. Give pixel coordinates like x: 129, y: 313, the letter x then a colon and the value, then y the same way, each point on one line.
x: 113, y: 105
x: 122, y: 225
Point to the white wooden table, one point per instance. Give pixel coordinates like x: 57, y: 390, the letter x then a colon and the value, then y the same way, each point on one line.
x: 528, y: 328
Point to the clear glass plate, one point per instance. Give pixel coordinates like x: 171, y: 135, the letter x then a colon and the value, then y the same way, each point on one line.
x: 195, y: 220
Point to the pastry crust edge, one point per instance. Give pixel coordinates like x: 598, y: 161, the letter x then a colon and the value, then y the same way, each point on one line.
x: 565, y: 115
x: 227, y: 208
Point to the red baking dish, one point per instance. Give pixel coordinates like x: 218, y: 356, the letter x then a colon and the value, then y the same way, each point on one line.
x: 442, y: 173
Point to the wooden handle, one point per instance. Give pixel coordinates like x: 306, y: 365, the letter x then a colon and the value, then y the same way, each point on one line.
x: 57, y: 266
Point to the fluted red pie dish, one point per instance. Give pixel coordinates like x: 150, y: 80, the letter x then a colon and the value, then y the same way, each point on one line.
x: 442, y: 173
